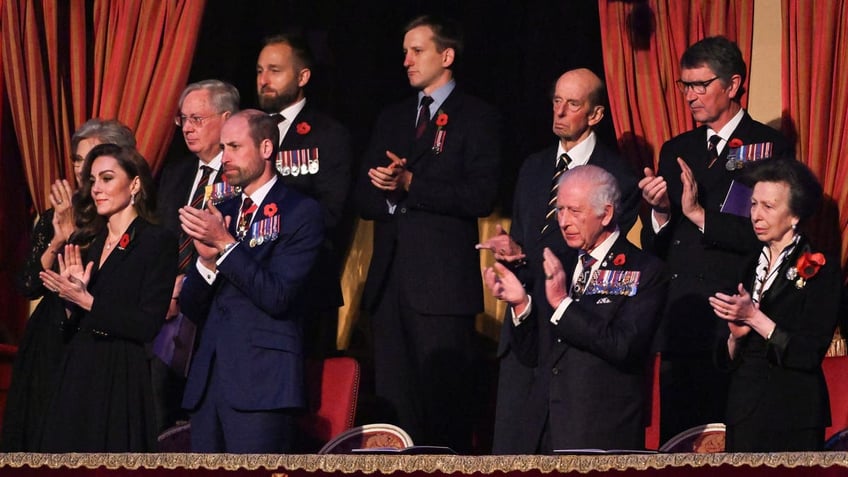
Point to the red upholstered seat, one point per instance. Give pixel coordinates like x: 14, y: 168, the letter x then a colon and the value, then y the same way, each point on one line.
x: 332, y: 387
x: 836, y: 374
x: 7, y: 357
x: 652, y: 413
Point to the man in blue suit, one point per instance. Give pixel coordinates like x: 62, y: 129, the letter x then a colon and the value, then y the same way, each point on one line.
x: 254, y: 252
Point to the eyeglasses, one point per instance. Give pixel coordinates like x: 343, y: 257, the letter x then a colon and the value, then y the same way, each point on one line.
x: 698, y: 87
x: 196, y: 121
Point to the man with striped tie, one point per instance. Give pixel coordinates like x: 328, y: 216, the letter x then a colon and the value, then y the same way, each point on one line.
x: 203, y: 108
x: 578, y: 107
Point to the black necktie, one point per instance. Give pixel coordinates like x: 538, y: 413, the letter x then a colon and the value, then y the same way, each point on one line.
x: 562, y: 164
x: 279, y: 117
x: 186, y: 250
x: 246, y: 212
x: 712, y: 149
x: 423, y: 116
x: 579, y: 287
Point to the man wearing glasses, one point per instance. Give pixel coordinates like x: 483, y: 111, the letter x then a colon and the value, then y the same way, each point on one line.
x: 203, y: 108
x: 702, y: 246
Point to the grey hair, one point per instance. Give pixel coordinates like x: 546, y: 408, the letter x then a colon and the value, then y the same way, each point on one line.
x: 107, y: 131
x: 225, y: 97
x: 605, y: 189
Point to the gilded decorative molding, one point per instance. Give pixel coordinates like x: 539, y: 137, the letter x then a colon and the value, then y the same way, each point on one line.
x: 444, y: 464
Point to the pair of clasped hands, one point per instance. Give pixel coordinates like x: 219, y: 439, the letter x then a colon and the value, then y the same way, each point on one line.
x: 505, y: 286
x: 393, y: 177
x: 737, y: 310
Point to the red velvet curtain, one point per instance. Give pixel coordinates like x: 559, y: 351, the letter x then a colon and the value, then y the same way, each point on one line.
x: 815, y: 103
x: 642, y: 44
x: 131, y: 65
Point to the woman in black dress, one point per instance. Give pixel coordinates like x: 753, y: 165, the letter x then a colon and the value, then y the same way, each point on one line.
x: 119, y: 295
x: 41, y: 348
x: 781, y: 321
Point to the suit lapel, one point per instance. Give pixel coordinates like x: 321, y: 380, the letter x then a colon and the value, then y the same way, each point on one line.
x: 781, y: 282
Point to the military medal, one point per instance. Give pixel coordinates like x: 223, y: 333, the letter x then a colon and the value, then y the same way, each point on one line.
x: 313, y: 161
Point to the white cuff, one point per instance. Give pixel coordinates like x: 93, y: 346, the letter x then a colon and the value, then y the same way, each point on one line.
x: 560, y: 310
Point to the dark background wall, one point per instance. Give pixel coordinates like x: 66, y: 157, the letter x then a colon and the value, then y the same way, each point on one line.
x: 514, y: 52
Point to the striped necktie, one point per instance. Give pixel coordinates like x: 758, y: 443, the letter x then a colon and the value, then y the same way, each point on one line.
x: 550, y: 217
x: 423, y: 116
x: 579, y: 287
x: 712, y: 149
x: 186, y: 251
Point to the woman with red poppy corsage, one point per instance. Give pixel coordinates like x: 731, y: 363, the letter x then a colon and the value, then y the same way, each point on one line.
x: 116, y: 295
x: 781, y: 321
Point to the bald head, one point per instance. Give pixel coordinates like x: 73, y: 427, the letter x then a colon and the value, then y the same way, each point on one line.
x: 577, y: 106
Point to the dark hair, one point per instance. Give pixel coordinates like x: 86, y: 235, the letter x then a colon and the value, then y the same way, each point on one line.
x: 446, y: 32
x: 720, y: 55
x: 105, y: 131
x: 89, y: 223
x: 262, y: 126
x: 805, y: 191
x: 300, y: 47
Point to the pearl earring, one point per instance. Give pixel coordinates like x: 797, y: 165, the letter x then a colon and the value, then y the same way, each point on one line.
x: 132, y: 199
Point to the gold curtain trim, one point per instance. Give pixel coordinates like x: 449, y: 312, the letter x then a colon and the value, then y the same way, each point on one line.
x: 444, y: 464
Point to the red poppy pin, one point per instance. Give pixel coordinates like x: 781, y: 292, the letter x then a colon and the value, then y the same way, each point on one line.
x: 807, y: 266
x: 303, y: 128
x: 619, y: 260
x: 735, y: 142
x: 270, y: 210
x: 441, y: 134
x: 125, y: 240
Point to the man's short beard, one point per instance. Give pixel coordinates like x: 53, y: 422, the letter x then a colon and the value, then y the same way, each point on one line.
x: 276, y: 103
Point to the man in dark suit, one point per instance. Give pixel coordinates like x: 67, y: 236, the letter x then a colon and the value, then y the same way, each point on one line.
x: 589, y: 385
x: 430, y: 171
x: 578, y: 106
x: 315, y: 160
x: 702, y: 246
x: 203, y: 106
x: 246, y: 378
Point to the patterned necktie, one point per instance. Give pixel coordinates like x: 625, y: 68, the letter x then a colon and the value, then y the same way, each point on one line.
x: 562, y: 164
x: 712, y: 149
x: 579, y: 287
x: 246, y: 212
x: 186, y: 250
x: 423, y: 116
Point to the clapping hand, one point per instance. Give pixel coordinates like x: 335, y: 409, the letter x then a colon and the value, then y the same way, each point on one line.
x: 71, y: 282
x: 505, y: 286
x: 61, y: 195
x: 555, y: 288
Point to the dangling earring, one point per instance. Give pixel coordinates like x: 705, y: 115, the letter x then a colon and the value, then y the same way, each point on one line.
x: 132, y: 199
x: 794, y: 226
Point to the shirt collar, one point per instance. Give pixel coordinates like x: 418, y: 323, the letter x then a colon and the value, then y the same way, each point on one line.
x: 603, y: 249
x: 289, y: 114
x: 259, y: 194
x: 439, y: 96
x: 580, y: 153
x: 215, y: 163
x: 726, y: 131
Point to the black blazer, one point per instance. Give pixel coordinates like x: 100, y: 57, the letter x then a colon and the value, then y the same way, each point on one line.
x: 329, y: 186
x: 779, y: 382
x: 591, y: 385
x: 530, y: 205
x: 701, y: 264
x: 173, y: 188
x: 430, y: 237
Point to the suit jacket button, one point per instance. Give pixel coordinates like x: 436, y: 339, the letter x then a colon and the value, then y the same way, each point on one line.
x: 676, y: 242
x: 559, y: 340
x: 403, y: 210
x: 555, y: 371
x: 673, y: 276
